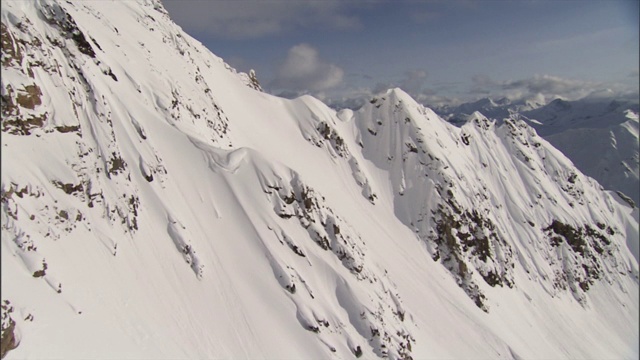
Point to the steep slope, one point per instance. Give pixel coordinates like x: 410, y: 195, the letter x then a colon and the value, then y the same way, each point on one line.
x: 156, y: 204
x: 599, y: 136
x: 505, y: 194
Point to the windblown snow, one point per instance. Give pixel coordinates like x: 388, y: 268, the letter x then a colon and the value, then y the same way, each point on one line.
x: 157, y: 204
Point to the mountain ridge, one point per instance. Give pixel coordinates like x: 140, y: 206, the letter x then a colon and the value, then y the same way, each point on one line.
x: 584, y: 130
x: 177, y: 188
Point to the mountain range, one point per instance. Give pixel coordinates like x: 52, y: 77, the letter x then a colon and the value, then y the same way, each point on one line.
x: 157, y: 204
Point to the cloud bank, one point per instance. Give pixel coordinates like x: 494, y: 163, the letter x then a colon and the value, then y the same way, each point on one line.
x: 550, y: 87
x: 538, y: 88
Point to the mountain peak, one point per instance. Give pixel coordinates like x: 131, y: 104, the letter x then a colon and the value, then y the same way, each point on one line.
x: 156, y: 205
x: 560, y: 104
x: 397, y: 95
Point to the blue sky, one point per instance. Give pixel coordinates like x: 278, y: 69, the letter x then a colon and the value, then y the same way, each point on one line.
x: 343, y: 51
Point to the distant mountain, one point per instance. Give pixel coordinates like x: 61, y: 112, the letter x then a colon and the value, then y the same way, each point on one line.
x: 156, y: 204
x: 493, y: 109
x: 599, y: 136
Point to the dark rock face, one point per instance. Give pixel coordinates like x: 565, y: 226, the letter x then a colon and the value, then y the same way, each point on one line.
x: 8, y: 339
x: 462, y: 237
x: 584, y: 251
x: 58, y: 17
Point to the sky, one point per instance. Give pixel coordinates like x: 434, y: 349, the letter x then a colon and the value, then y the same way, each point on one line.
x: 441, y: 52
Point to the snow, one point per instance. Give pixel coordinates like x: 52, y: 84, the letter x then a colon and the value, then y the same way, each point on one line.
x: 599, y: 136
x: 182, y: 213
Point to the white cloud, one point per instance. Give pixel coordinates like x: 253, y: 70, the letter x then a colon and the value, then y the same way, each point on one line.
x: 303, y: 70
x: 243, y: 19
x: 540, y: 88
x: 547, y: 86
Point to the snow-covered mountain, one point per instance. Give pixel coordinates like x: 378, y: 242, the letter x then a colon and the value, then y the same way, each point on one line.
x: 599, y: 136
x: 156, y: 204
x: 491, y: 108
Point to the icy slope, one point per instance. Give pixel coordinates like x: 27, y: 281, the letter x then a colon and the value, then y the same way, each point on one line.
x: 156, y: 205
